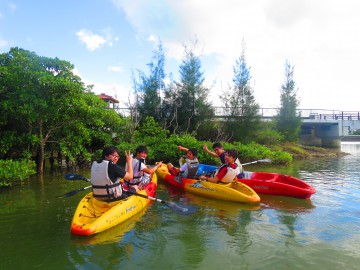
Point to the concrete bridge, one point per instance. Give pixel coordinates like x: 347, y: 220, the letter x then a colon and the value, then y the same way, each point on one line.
x: 325, y: 128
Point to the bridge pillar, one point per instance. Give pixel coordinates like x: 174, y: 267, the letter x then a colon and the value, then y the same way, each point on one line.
x: 320, y: 134
x: 331, y: 142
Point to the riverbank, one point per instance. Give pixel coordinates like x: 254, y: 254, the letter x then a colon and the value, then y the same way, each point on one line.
x: 300, y: 152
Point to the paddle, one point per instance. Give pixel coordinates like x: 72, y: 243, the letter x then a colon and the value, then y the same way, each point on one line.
x: 266, y: 160
x: 72, y: 193
x: 177, y: 207
x: 73, y: 176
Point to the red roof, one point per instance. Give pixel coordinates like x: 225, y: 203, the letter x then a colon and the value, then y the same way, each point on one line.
x: 108, y: 98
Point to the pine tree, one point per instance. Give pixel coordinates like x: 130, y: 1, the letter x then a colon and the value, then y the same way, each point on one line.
x: 240, y: 104
x: 288, y: 121
x: 187, y: 103
x: 148, y: 89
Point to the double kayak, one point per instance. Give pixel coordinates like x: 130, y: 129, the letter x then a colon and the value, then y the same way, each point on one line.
x: 93, y: 216
x: 271, y: 183
x: 235, y: 191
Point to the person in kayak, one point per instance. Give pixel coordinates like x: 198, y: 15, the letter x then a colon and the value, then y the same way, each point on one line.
x: 188, y: 165
x: 141, y: 171
x: 220, y: 153
x: 106, y: 174
x: 226, y: 172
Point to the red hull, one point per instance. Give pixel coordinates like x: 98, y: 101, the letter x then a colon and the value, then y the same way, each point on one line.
x: 278, y: 185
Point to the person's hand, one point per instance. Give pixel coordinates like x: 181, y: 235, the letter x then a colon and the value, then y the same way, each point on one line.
x: 128, y: 156
x: 159, y: 164
x: 202, y: 178
x: 179, y: 147
x: 205, y: 148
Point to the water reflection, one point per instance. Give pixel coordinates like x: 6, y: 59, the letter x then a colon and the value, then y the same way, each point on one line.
x: 286, y: 203
x: 112, y: 235
x: 280, y: 233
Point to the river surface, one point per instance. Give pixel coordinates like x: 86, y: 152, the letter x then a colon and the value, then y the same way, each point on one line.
x: 281, y: 233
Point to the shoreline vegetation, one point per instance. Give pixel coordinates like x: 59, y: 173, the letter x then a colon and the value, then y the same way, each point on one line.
x: 16, y: 171
x: 301, y: 152
x: 66, y: 125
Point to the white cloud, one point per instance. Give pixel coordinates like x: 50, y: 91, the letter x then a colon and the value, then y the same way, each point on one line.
x: 318, y: 37
x: 152, y: 38
x: 12, y: 6
x: 115, y: 68
x: 92, y: 41
x: 3, y: 43
x: 116, y: 90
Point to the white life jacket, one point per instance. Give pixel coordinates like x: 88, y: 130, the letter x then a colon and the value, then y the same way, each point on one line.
x: 237, y: 161
x: 241, y: 170
x: 230, y: 174
x: 192, y: 168
x: 103, y: 188
x: 139, y: 175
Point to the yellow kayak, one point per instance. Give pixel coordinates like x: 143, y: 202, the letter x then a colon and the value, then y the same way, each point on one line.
x: 114, y: 234
x: 93, y: 216
x: 235, y: 191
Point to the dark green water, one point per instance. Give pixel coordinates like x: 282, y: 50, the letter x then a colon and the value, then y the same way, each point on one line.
x: 283, y: 233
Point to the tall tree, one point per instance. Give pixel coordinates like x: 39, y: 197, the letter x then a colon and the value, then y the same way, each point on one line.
x: 42, y: 99
x: 240, y: 104
x: 148, y: 88
x: 288, y: 121
x: 187, y: 99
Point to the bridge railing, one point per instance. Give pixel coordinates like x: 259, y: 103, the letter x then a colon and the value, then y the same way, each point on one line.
x: 316, y: 114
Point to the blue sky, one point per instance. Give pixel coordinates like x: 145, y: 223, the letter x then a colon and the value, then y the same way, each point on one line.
x: 107, y: 40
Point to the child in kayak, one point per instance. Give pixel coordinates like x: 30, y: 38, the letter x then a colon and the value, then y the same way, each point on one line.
x: 188, y: 166
x: 106, y: 174
x: 220, y: 153
x: 226, y: 172
x: 141, y: 171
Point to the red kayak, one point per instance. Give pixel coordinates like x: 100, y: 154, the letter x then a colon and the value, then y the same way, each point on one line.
x: 271, y: 183
x: 277, y: 184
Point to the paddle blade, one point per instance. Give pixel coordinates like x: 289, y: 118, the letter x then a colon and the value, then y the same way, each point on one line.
x: 182, y: 209
x: 71, y: 193
x: 266, y: 160
x: 73, y: 176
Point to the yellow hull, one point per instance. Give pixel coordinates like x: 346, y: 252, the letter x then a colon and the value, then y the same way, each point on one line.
x: 236, y: 191
x: 93, y: 216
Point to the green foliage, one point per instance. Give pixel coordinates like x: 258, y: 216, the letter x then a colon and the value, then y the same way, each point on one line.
x: 186, y: 104
x: 170, y: 153
x: 147, y: 88
x: 287, y: 120
x: 298, y: 150
x: 152, y: 135
x: 268, y: 137
x: 281, y: 157
x: 12, y: 171
x: 240, y: 104
x: 41, y: 100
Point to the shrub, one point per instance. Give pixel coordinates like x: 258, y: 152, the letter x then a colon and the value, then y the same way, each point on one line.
x: 268, y: 137
x: 12, y: 171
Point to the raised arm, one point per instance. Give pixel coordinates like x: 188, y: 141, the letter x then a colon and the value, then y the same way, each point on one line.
x: 209, y: 152
x: 150, y: 170
x: 129, y: 170
x: 181, y: 148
